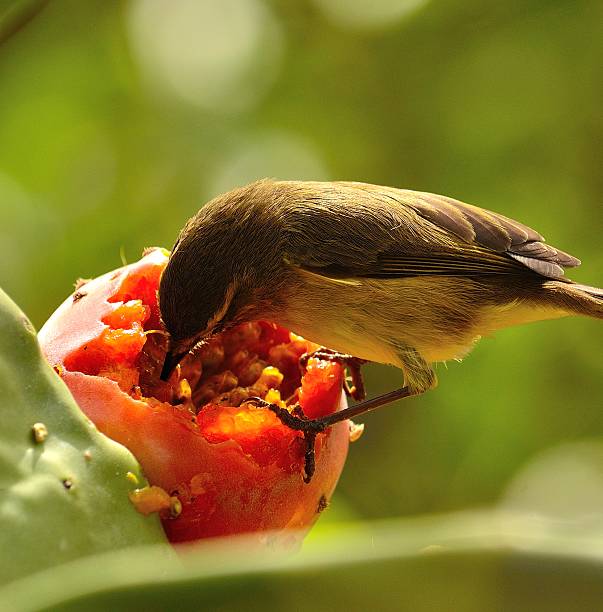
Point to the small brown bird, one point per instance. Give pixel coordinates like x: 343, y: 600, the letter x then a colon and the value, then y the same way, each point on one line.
x: 387, y: 275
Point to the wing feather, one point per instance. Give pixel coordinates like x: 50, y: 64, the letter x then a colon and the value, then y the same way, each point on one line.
x: 351, y: 230
x: 501, y: 235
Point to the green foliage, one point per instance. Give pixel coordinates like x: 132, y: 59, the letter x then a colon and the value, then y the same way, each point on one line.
x: 65, y: 495
x: 468, y: 563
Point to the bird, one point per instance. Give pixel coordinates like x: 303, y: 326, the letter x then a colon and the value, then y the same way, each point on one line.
x: 383, y: 274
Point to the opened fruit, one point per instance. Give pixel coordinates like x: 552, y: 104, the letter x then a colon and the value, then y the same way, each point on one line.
x: 217, y: 465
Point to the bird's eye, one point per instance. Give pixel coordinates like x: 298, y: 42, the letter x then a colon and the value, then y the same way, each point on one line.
x: 218, y: 328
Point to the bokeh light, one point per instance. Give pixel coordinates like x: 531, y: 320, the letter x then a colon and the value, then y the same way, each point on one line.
x: 368, y: 15
x: 218, y: 54
x: 278, y: 155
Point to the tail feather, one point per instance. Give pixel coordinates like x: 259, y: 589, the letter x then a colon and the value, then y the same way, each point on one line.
x: 576, y: 299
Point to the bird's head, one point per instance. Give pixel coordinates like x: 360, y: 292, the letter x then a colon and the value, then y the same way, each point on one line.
x: 218, y: 275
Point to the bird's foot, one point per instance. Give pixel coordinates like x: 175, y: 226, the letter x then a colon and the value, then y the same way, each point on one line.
x: 356, y: 390
x: 298, y: 421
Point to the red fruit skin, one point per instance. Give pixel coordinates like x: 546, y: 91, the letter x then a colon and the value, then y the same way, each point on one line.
x: 223, y: 490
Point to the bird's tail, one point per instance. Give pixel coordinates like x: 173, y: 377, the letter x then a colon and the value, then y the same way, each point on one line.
x: 576, y: 299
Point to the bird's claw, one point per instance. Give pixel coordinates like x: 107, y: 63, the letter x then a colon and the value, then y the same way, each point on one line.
x: 295, y: 418
x: 298, y: 421
x: 357, y: 390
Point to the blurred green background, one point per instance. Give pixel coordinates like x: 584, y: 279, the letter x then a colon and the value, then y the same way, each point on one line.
x: 119, y: 119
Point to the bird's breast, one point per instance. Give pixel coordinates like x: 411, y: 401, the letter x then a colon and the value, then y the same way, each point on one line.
x: 336, y: 314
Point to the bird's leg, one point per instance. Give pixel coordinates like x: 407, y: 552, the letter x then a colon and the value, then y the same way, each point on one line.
x: 298, y: 421
x: 353, y: 364
x: 418, y: 375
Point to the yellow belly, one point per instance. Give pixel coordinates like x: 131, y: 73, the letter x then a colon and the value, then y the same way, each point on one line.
x: 507, y: 315
x: 441, y: 318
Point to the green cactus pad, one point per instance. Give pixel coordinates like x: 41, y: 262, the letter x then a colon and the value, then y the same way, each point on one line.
x: 63, y: 485
x: 470, y: 562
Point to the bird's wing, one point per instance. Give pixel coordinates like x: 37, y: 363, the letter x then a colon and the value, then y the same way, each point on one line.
x: 348, y: 230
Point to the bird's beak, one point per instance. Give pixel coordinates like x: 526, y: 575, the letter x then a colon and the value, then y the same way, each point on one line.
x: 172, y: 359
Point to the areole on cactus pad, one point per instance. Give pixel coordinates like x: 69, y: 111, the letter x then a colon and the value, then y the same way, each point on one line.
x: 217, y: 465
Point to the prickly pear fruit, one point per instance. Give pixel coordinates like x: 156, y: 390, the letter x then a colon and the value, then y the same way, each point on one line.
x: 63, y: 485
x: 218, y: 466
